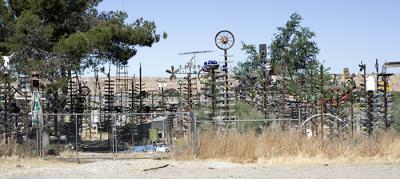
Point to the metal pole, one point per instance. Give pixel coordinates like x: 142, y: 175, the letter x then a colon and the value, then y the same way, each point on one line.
x: 133, y: 86
x: 162, y: 98
x: 140, y: 88
x: 321, y: 86
x: 132, y: 130
x: 369, y: 114
x: 365, y: 79
x: 116, y: 136
x: 6, y: 126
x: 265, y: 93
x: 165, y: 131
x: 214, y: 95
x: 194, y: 133
x: 283, y: 96
x: 41, y: 139
x: 101, y: 118
x: 299, y: 118
x: 37, y: 142
x: 352, y: 113
x: 385, y: 102
x: 226, y: 85
x: 76, y: 135
x: 189, y: 80
x: 114, y: 139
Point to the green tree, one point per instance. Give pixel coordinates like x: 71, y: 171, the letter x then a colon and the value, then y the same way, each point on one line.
x: 251, y: 65
x: 69, y: 35
x: 293, y: 47
x: 249, y: 71
x: 6, y: 26
x: 293, y: 54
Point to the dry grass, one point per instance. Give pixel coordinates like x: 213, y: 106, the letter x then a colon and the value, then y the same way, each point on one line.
x: 274, y: 145
x: 22, y: 156
x: 230, y: 146
x: 18, y: 150
x: 15, y: 162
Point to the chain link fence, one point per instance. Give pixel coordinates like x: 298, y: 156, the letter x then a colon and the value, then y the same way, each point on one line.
x: 99, y: 135
x: 126, y: 135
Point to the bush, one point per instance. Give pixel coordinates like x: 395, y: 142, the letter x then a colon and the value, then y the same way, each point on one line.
x: 395, y: 112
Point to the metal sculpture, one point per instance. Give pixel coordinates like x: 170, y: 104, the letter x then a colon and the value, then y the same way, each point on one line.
x: 211, y: 68
x: 173, y: 73
x: 224, y: 40
x: 122, y: 88
x: 265, y: 79
x: 195, y: 67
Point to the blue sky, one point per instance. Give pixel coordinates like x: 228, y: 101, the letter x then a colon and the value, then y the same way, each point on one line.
x: 347, y: 31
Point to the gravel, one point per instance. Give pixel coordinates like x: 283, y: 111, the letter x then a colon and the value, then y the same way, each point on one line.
x: 199, y: 169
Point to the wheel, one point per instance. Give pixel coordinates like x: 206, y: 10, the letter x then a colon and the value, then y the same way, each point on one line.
x: 85, y: 90
x: 224, y: 40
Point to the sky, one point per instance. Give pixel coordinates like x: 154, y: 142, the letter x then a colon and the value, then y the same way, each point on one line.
x: 347, y: 32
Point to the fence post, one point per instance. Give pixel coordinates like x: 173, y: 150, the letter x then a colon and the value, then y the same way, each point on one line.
x: 76, y: 135
x: 194, y: 133
x: 299, y: 121
x: 38, y: 142
x: 114, y: 136
x: 132, y: 129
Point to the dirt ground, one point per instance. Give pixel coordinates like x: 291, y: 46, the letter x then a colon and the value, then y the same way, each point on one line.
x: 144, y: 168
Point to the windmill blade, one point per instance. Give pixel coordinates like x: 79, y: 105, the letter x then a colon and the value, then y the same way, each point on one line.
x: 172, y: 77
x: 172, y: 70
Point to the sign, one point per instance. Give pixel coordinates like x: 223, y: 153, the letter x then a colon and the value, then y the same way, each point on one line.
x: 371, y: 83
x: 263, y: 52
x: 36, y: 110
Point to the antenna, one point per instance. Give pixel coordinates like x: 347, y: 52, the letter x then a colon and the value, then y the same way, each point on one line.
x: 195, y: 52
x: 194, y: 56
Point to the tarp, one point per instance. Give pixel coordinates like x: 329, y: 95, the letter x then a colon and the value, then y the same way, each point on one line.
x: 150, y: 148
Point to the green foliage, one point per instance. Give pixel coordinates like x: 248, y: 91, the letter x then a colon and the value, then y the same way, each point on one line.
x: 249, y: 67
x: 201, y: 114
x: 293, y: 46
x: 171, y: 92
x: 69, y: 35
x: 245, y: 111
x: 6, y: 27
x: 242, y: 111
x: 395, y: 112
x: 293, y: 55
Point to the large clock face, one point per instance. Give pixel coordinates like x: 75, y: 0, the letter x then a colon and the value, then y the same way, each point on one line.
x: 224, y: 40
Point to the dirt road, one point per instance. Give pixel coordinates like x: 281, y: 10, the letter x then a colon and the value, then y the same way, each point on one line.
x: 194, y: 169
